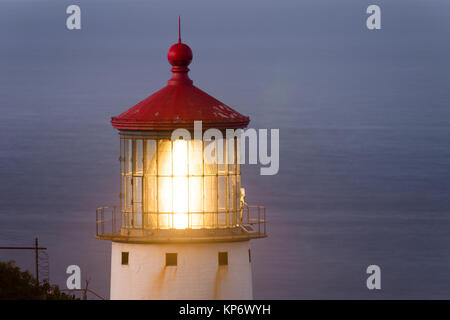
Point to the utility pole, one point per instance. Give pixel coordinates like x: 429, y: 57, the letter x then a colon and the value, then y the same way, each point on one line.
x: 85, y: 291
x: 36, y: 254
x: 36, y: 249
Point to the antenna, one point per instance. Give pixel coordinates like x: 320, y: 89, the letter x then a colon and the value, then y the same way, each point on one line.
x: 179, y: 29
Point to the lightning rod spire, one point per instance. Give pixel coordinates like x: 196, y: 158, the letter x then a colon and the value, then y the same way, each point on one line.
x: 179, y: 29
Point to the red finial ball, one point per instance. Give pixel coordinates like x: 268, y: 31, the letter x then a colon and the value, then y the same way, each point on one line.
x: 180, y: 55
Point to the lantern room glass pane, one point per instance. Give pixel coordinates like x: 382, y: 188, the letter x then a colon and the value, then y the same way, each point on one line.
x: 239, y: 202
x: 222, y: 201
x: 196, y: 220
x: 222, y: 219
x: 137, y: 190
x: 231, y: 156
x: 150, y: 157
x: 122, y: 156
x: 222, y: 159
x: 165, y: 194
x: 180, y: 158
x: 165, y: 157
x: 209, y: 156
x: 165, y: 220
x: 222, y: 193
x: 123, y: 192
x: 128, y: 193
x: 150, y: 205
x: 151, y: 220
x: 210, y: 200
x: 137, y: 201
x: 137, y: 215
x: 232, y: 192
x: 238, y: 155
x: 195, y: 157
x: 196, y: 202
x: 138, y: 159
x: 195, y: 194
x: 150, y: 189
x: 128, y: 156
x: 180, y: 221
x: 180, y: 194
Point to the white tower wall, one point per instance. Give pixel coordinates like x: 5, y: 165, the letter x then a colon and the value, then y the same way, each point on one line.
x: 197, y: 275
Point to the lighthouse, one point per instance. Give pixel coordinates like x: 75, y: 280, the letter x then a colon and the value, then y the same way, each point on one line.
x: 183, y: 228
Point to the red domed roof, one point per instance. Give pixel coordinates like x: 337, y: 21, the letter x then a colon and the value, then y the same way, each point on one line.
x: 179, y: 104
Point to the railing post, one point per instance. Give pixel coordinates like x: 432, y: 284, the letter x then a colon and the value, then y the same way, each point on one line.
x: 112, y: 220
x: 115, y: 219
x: 102, y: 216
x: 259, y: 219
x: 248, y: 214
x: 265, y: 221
x: 96, y: 221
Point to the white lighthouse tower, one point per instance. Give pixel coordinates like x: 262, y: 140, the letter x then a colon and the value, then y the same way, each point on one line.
x: 183, y: 230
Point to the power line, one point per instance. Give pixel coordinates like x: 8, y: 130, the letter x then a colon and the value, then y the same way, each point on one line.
x: 36, y: 249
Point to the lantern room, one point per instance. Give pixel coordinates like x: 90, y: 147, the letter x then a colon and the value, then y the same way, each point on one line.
x: 170, y: 184
x: 183, y: 188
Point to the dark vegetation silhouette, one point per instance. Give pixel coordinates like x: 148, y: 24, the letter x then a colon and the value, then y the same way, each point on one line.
x: 21, y: 285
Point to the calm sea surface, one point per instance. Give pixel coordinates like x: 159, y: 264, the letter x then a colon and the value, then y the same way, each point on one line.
x: 364, y: 119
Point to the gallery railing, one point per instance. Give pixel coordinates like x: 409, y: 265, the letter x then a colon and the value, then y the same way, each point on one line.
x: 111, y: 221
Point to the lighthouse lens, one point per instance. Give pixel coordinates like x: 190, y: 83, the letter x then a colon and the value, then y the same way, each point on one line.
x: 168, y: 184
